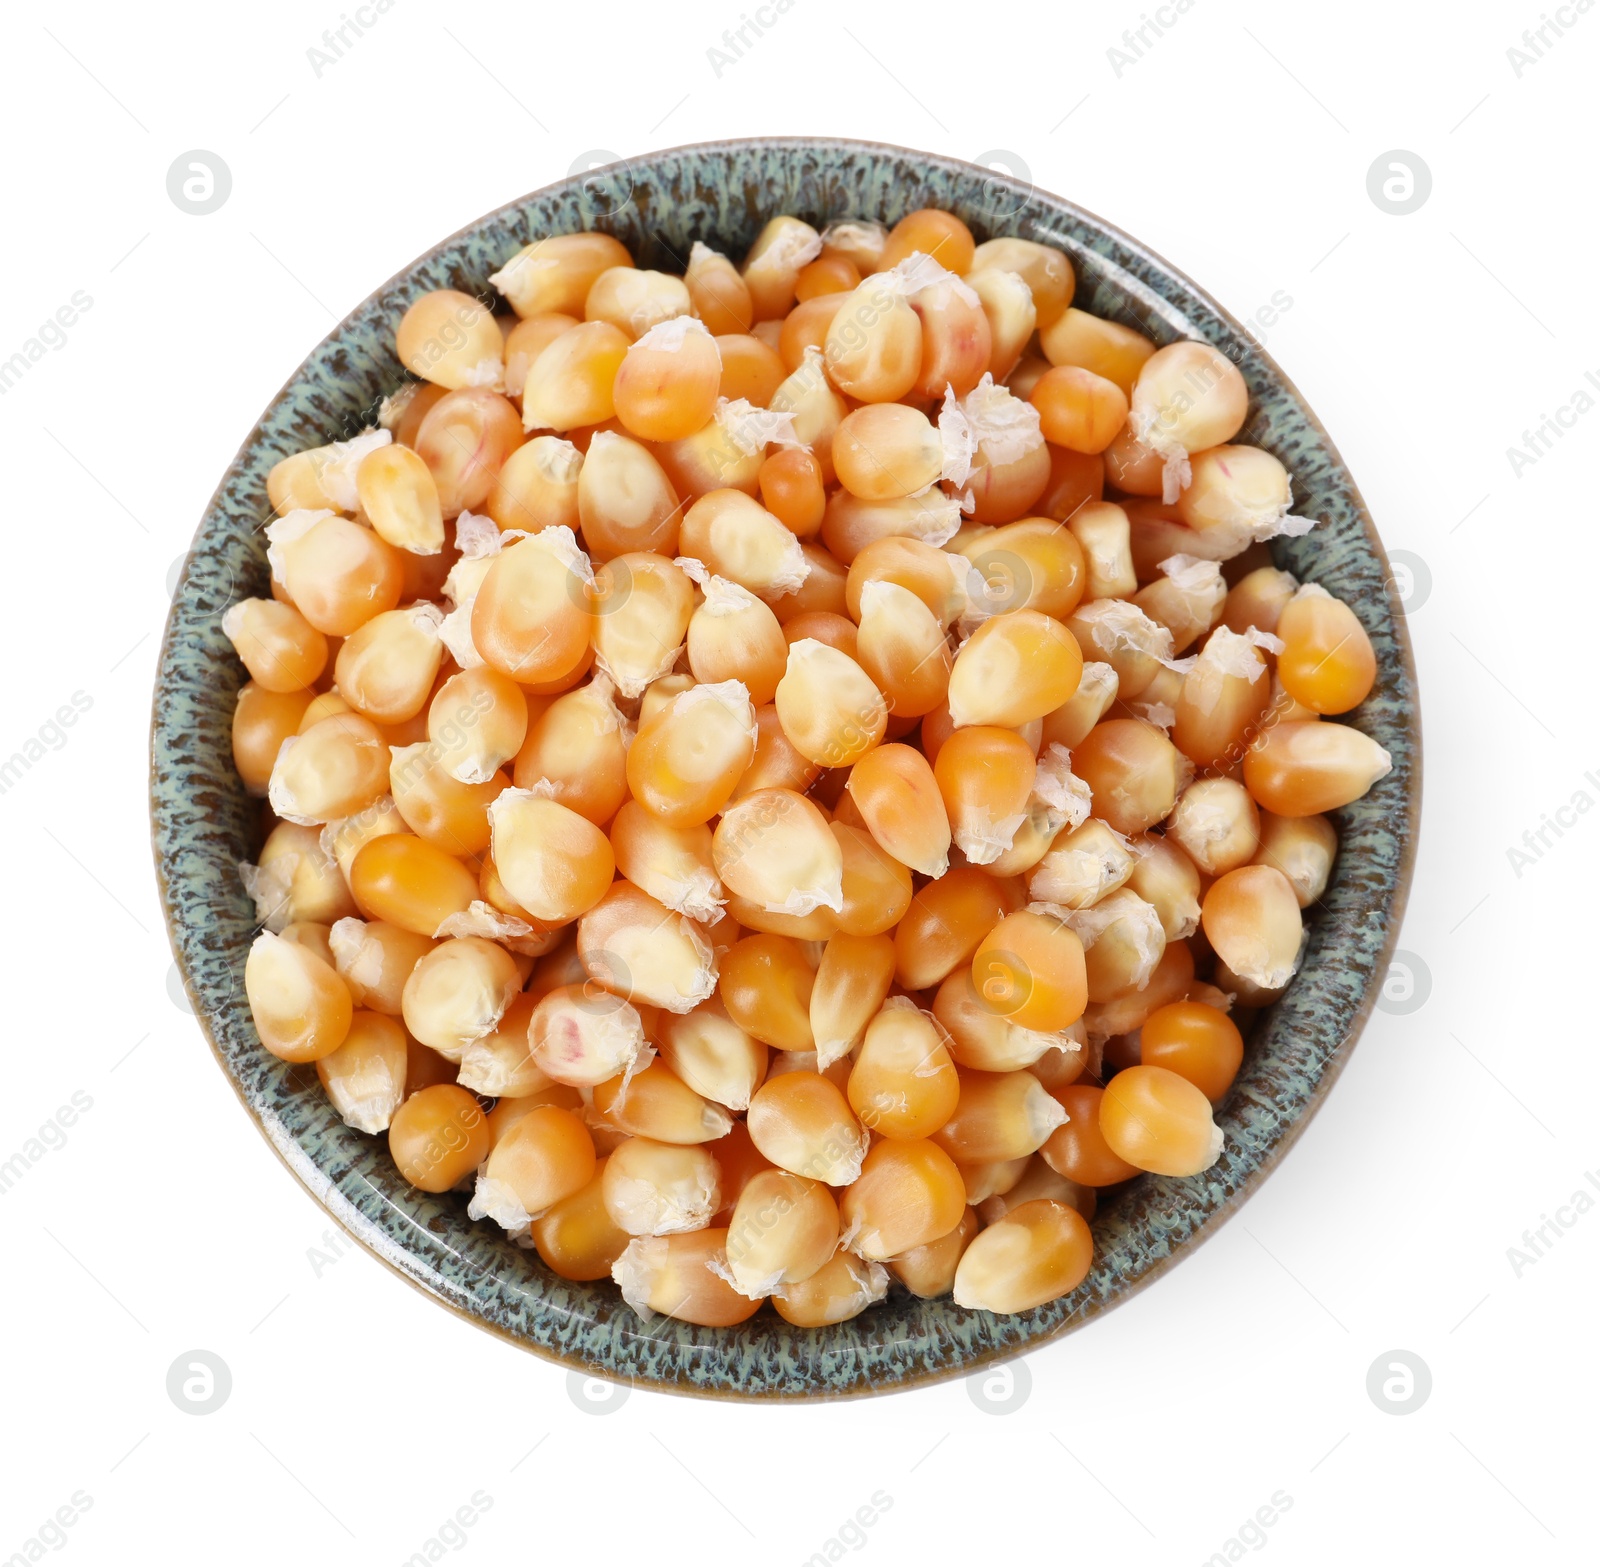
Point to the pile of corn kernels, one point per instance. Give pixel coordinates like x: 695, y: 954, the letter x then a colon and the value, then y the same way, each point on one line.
x: 779, y: 776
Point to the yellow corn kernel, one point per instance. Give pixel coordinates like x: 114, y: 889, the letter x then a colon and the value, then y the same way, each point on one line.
x: 477, y: 722
x: 282, y: 650
x: 1186, y: 598
x: 712, y: 1054
x: 556, y: 274
x: 843, y: 1288
x: 1040, y: 1251
x: 1189, y: 396
x: 537, y: 486
x: 634, y: 300
x: 1030, y: 969
x: 689, y: 755
x: 643, y: 604
x: 772, y: 267
x: 877, y: 888
x: 531, y: 616
x: 1327, y: 661
x: 946, y: 921
x: 1216, y: 823
x: 774, y: 848
x: 673, y: 864
x: 626, y: 503
x: 999, y: 1116
x: 765, y: 983
x: 803, y: 1124
x: 546, y: 1157
x: 635, y: 947
x: 1159, y: 1121
x: 980, y: 1037
x: 852, y: 982
x: 1223, y: 704
x: 1122, y: 635
x: 929, y: 1270
x: 301, y: 1008
x: 673, y: 1275
x: 569, y: 386
x: 957, y: 343
x: 400, y: 499
x: 1236, y: 495
x: 296, y: 880
x: 1303, y: 848
x: 1083, y: 865
x: 666, y: 386
x: 806, y: 327
x: 734, y: 635
x: 886, y: 450
x: 1107, y: 348
x: 262, y: 721
x: 1123, y: 941
x: 1014, y: 668
x: 500, y: 1064
x: 717, y: 292
x: 465, y: 439
x: 1012, y: 314
x: 1169, y: 881
x: 901, y: 805
x: 375, y: 959
x: 830, y: 710
x: 409, y: 883
x: 654, y: 1188
x: 902, y: 647
x: 337, y: 573
x: 575, y: 1237
x: 527, y: 340
x: 1251, y: 917
x: 1305, y: 768
x: 783, y: 1229
x: 1133, y: 772
x: 737, y: 538
x: 657, y: 1104
x: 576, y: 753
x: 936, y: 577
x: 448, y: 338
x: 1078, y: 409
x: 985, y: 776
x: 438, y: 1137
x: 554, y: 862
x: 1069, y: 723
x: 873, y: 350
x: 435, y: 806
x: 386, y: 669
x: 903, y: 1084
x: 457, y: 993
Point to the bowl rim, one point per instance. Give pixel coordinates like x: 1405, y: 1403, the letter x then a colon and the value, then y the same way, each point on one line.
x: 1406, y: 828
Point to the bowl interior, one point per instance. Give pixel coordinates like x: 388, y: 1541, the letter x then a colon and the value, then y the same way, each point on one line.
x: 204, y: 824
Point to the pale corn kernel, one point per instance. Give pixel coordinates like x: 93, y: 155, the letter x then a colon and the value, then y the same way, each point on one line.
x: 1167, y: 879
x: 1077, y: 1148
x: 282, y: 650
x: 783, y: 1229
x: 1039, y: 1181
x: 537, y: 486
x: 438, y: 1137
x: 903, y: 1084
x: 873, y: 350
x: 654, y: 1188
x: 772, y: 267
x: 435, y: 806
x: 335, y: 769
x: 852, y: 982
x: 1216, y: 823
x: 643, y: 605
x: 733, y: 635
x: 1189, y: 397
x: 1257, y: 599
x: 400, y: 499
x: 673, y: 864
x: 1236, y: 496
x: 1030, y: 564
x: 1047, y: 272
x: 886, y: 450
x: 985, y: 776
x: 1171, y: 981
x: 557, y: 273
x: 301, y: 1008
x: 830, y: 709
x: 992, y: 1178
x: 1012, y: 314
x: 859, y: 241
x: 581, y: 1035
x: 553, y: 861
x: 465, y: 439
x: 1327, y: 662
x: 296, y: 880
x: 717, y: 293
x: 1038, y: 1252
x: 741, y: 540
x: 569, y: 386
x: 500, y: 1064
x: 262, y: 721
x: 1070, y: 722
x: 723, y: 454
x: 877, y: 887
x: 902, y: 647
x: 375, y: 959
x: 999, y: 1116
x: 851, y: 525
x: 803, y: 1124
x: 674, y: 1275
x: 1251, y: 917
x: 774, y: 848
x: 1303, y: 848
x: 626, y: 502
x: 634, y: 299
x: 689, y: 755
x: 337, y: 573
x: 1134, y: 468
x: 531, y: 617
x: 712, y: 1054
x: 1198, y: 1042
x: 576, y: 752
x: 957, y: 342
x: 477, y: 722
x: 1187, y: 598
x: 1133, y: 771
x: 901, y: 804
x: 365, y: 1078
x: 635, y: 947
x: 1224, y: 701
x: 449, y: 338
x: 1119, y: 633
x: 1103, y: 533
x: 935, y: 233
x: 457, y: 993
x: 806, y: 327
x: 1123, y: 940
x: 386, y: 669
x: 980, y: 1037
x: 657, y: 1103
x: 1084, y: 864
x: 545, y: 1158
x: 527, y: 340
x: 575, y: 1237
x: 928, y: 1271
x: 661, y: 691
x: 1159, y: 1122
x: 751, y: 370
x: 1306, y: 768
x: 818, y: 624
x: 1108, y: 348
x: 814, y: 408
x: 1010, y: 464
x: 1014, y: 668
x: 325, y: 476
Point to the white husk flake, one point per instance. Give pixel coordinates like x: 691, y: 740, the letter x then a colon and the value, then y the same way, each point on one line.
x: 960, y: 444
x: 455, y: 631
x: 1120, y: 626
x: 937, y: 516
x: 1003, y: 425
x: 268, y: 888
x: 919, y: 271
x: 633, y: 1271
x: 730, y: 694
x: 489, y: 372
x: 492, y: 1199
x: 753, y: 429
x: 482, y: 919
x: 667, y: 336
x: 1056, y: 786
x: 794, y: 246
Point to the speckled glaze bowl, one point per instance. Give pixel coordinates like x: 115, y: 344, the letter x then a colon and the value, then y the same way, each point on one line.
x: 204, y: 823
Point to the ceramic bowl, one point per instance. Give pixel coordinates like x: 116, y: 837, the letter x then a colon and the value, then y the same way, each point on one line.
x: 204, y: 824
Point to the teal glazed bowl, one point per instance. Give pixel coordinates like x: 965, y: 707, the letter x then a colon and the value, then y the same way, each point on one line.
x: 204, y: 823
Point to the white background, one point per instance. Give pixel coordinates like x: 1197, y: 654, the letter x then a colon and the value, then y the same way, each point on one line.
x: 362, y: 1414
